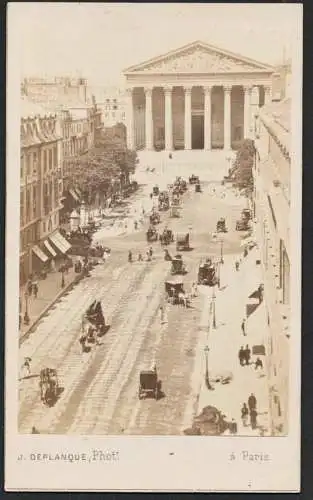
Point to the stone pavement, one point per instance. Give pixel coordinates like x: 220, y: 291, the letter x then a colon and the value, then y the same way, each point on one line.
x: 48, y: 291
x: 225, y: 341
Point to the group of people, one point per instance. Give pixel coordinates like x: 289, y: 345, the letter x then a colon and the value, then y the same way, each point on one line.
x: 149, y: 255
x: 244, y: 355
x: 32, y: 287
x: 249, y: 410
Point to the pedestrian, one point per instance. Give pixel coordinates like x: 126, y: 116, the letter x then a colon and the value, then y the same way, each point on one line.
x: 35, y: 289
x: 260, y: 293
x: 136, y: 225
x: 258, y: 364
x: 139, y: 257
x: 233, y: 428
x: 30, y: 287
x: 193, y: 290
x: 252, y: 402
x: 244, y: 414
x: 245, y: 252
x: 243, y: 327
x: 130, y: 256
x: 247, y: 354
x: 26, y: 366
x: 34, y: 430
x: 150, y: 252
x: 162, y: 315
x: 241, y: 356
x: 19, y: 321
x: 253, y: 418
x: 237, y: 265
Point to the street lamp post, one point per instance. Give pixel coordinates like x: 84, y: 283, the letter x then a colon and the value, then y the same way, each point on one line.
x: 207, y: 380
x: 63, y: 279
x: 26, y: 315
x: 222, y: 251
x: 213, y: 307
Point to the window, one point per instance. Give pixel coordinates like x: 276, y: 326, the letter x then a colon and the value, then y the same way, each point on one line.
x: 22, y: 168
x: 56, y: 192
x: 35, y: 159
x: 28, y: 206
x: 45, y: 161
x: 56, y: 155
x: 34, y: 202
x: 115, y: 107
x: 28, y: 164
x: 123, y: 115
x: 50, y: 159
x: 22, y: 207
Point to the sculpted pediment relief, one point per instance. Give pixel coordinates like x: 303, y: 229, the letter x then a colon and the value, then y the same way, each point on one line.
x: 197, y: 58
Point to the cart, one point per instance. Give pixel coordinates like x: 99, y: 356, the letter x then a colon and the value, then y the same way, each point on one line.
x: 182, y: 242
x: 152, y: 235
x: 221, y: 226
x: 178, y: 266
x: 198, y: 187
x: 149, y: 384
x: 207, y: 274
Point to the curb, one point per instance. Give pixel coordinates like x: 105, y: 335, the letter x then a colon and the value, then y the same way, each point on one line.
x: 24, y: 336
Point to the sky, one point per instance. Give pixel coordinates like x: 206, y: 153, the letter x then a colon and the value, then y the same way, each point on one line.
x: 98, y: 41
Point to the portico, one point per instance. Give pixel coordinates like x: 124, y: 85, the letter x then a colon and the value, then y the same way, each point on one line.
x: 197, y: 97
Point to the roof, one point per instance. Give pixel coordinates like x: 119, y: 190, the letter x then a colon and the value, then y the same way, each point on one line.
x: 280, y: 112
x: 30, y: 109
x: 199, y: 57
x: 277, y: 117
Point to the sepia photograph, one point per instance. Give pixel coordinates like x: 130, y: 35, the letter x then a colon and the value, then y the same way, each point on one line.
x: 156, y: 179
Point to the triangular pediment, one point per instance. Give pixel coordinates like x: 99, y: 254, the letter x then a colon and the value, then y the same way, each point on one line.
x: 199, y: 57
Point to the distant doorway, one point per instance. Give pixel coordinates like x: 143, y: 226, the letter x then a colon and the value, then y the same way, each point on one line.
x: 197, y: 135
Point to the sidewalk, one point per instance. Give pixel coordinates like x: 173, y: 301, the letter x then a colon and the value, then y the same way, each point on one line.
x: 48, y: 291
x: 225, y: 341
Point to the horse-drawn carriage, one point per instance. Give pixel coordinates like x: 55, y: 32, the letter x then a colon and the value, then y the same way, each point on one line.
x: 93, y: 326
x: 49, y: 386
x: 198, y: 187
x: 194, y: 179
x: 207, y: 273
x: 178, y: 266
x: 155, y: 218
x: 182, y: 242
x: 175, y: 293
x: 167, y: 237
x: 221, y: 226
x: 175, y: 212
x: 152, y: 234
x: 149, y: 384
x: 164, y: 201
x: 243, y: 224
x: 155, y: 190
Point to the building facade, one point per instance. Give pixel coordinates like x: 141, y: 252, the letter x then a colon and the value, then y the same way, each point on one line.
x: 48, y: 91
x: 196, y: 97
x: 272, y: 211
x: 80, y: 130
x: 41, y: 188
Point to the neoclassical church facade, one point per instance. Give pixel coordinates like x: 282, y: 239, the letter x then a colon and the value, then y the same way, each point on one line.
x: 195, y: 97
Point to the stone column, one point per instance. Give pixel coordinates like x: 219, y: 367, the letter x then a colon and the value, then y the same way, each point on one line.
x: 187, y: 117
x: 149, y: 119
x: 168, y: 119
x: 130, y: 120
x: 267, y: 95
x: 247, y: 110
x: 207, y: 118
x: 227, y: 117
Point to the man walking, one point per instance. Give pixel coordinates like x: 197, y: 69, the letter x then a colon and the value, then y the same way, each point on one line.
x: 247, y: 354
x: 243, y: 327
x: 252, y: 402
x: 241, y: 355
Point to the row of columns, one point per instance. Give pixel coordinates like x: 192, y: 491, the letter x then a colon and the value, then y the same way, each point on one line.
x: 187, y: 121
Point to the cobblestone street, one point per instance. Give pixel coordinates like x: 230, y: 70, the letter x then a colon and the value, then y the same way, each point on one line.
x: 101, y: 388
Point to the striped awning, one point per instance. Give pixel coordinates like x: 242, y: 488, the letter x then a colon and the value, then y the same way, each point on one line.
x: 60, y: 242
x: 40, y: 254
x: 74, y: 194
x: 49, y: 248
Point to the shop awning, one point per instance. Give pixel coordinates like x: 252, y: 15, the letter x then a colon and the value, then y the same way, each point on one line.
x: 49, y: 248
x: 60, y: 242
x: 73, y: 194
x: 40, y: 254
